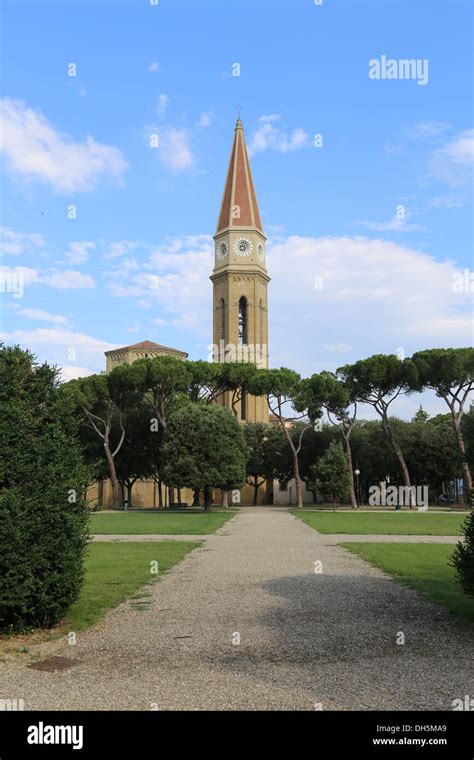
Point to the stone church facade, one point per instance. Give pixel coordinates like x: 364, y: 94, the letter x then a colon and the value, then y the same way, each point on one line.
x: 240, y: 316
x: 144, y: 350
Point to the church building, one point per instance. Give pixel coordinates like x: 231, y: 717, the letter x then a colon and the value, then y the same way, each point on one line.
x: 240, y: 313
x: 240, y: 279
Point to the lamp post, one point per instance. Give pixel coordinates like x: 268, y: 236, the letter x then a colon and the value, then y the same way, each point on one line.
x: 357, y: 473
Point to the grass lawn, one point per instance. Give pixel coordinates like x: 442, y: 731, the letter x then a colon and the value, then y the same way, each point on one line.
x: 422, y: 566
x: 115, y: 571
x: 380, y: 523
x: 159, y: 523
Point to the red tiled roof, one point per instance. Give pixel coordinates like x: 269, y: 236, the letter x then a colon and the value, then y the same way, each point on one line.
x: 239, y: 188
x: 144, y: 344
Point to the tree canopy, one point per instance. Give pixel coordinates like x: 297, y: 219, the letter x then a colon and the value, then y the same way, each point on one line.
x: 378, y: 381
x: 204, y: 449
x: 450, y: 373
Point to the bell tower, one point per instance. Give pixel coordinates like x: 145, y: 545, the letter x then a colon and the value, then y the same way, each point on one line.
x: 240, y: 279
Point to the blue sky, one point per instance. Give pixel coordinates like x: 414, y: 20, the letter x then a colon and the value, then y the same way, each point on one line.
x: 382, y: 212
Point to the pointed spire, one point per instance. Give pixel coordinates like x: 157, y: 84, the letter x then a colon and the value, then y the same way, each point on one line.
x: 239, y: 206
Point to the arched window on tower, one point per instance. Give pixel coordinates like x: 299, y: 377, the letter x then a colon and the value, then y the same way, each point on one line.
x: 222, y: 319
x: 243, y: 339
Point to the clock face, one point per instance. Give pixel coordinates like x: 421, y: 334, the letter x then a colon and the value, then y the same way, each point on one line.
x: 261, y: 251
x: 221, y: 251
x: 242, y: 247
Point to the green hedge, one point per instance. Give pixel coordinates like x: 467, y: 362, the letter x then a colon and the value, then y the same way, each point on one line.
x: 43, y: 515
x: 463, y: 558
x: 42, y: 539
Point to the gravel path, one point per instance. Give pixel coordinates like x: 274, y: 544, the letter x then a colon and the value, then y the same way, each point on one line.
x: 305, y: 637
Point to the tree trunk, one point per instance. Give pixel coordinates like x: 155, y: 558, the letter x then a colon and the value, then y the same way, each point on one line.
x: 467, y: 477
x: 296, y: 469
x: 179, y: 495
x: 207, y: 498
x: 256, y: 486
x: 130, y: 485
x: 160, y: 493
x: 170, y: 495
x: 196, y: 493
x: 225, y: 499
x: 399, y: 454
x: 299, y: 491
x: 116, y: 490
x: 351, y: 473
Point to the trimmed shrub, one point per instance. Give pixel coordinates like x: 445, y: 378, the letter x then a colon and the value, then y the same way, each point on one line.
x: 463, y: 557
x: 43, y: 515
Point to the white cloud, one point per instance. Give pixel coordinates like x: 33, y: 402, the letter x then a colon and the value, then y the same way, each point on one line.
x: 174, y: 149
x: 77, y: 354
x: 454, y: 162
x: 44, y: 316
x: 206, y: 118
x: 391, y: 149
x: 446, y: 201
x: 424, y: 129
x: 14, y: 243
x: 376, y: 296
x: 134, y: 328
x: 72, y: 372
x: 154, y: 67
x: 394, y: 225
x: 120, y: 248
x: 35, y: 151
x: 13, y: 280
x: 78, y: 251
x: 67, y: 279
x: 123, y: 269
x: 270, y: 137
x: 269, y: 118
x: 176, y: 277
x: 162, y: 104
